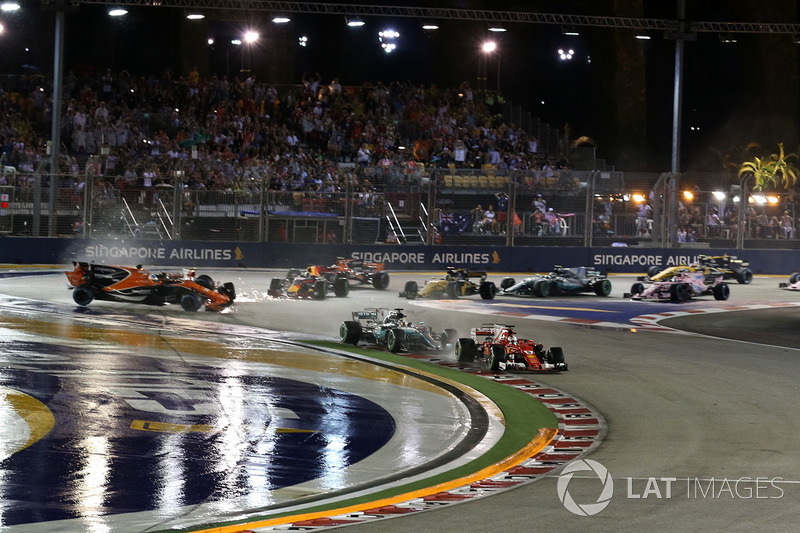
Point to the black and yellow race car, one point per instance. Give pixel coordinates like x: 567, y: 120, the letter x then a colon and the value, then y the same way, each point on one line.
x: 729, y: 266
x: 457, y: 282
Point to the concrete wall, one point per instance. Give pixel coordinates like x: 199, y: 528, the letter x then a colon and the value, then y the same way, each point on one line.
x: 24, y: 250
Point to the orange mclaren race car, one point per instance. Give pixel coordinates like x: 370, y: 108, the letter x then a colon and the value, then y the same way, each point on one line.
x: 125, y: 284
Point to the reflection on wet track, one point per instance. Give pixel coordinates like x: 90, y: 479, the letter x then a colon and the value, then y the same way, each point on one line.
x: 120, y: 422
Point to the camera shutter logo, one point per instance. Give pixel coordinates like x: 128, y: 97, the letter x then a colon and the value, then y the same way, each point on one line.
x: 585, y: 509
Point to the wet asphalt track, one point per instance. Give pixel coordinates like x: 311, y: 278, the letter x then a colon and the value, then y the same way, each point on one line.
x: 677, y: 406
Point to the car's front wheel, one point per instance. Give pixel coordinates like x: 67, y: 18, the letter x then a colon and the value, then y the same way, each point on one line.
x: 394, y: 340
x: 721, y: 291
x: 602, y: 287
x: 487, y: 289
x: 498, y: 356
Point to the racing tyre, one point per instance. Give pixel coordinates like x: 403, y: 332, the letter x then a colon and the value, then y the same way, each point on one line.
x: 637, y: 288
x: 507, y: 282
x: 320, y: 288
x: 556, y: 355
x: 466, y: 350
x: 293, y: 273
x: 380, y: 280
x: 451, y: 290
x: 190, y: 302
x: 341, y: 287
x: 602, y: 287
x: 205, y: 281
x: 487, y: 290
x: 744, y: 276
x: 721, y: 291
x: 498, y: 356
x: 395, y: 339
x: 794, y: 277
x: 411, y: 290
x: 652, y: 271
x: 350, y: 332
x: 545, y: 287
x: 450, y: 336
x: 679, y: 292
x: 535, y: 288
x: 83, y: 296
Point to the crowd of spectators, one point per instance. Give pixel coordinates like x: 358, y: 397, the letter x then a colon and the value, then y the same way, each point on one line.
x: 232, y: 135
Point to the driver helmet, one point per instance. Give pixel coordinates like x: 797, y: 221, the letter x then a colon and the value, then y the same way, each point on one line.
x: 397, y: 315
x: 512, y: 339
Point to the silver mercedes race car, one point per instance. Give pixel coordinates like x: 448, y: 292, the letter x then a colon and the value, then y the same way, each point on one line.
x: 390, y: 328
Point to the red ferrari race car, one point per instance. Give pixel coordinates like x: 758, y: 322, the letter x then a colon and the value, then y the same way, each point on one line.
x: 360, y: 272
x: 502, y: 350
x: 311, y: 283
x: 125, y: 284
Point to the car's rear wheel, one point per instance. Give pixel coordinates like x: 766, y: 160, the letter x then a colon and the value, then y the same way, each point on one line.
x: 350, y: 332
x: 191, y: 302
x: 83, y: 296
x: 205, y: 281
x: 293, y: 273
x: 721, y: 291
x: 395, y: 339
x: 466, y: 350
x: 411, y: 290
x: 380, y: 280
x: 545, y: 288
x: 744, y: 276
x: 498, y: 356
x: 451, y: 290
x: 602, y: 287
x: 507, y: 282
x: 450, y: 336
x: 487, y: 290
x: 341, y: 287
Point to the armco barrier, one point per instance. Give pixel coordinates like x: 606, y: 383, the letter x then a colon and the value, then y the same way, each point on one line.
x: 49, y: 251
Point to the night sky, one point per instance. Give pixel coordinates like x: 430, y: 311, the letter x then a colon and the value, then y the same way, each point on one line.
x: 616, y: 90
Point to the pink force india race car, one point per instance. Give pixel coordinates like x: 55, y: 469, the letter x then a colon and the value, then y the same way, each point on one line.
x: 684, y: 285
x: 794, y: 283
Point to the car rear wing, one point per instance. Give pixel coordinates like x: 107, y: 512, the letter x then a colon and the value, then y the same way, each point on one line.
x: 374, y: 315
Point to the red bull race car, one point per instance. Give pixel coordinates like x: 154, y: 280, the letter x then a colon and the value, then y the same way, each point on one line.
x: 89, y: 281
x: 497, y: 347
x: 312, y: 283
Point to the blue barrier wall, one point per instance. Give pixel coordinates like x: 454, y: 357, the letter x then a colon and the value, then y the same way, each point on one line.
x: 22, y: 250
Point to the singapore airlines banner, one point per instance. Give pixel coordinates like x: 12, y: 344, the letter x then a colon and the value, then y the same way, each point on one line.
x: 46, y: 251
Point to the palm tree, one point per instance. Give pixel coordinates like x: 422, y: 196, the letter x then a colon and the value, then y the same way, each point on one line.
x: 777, y: 169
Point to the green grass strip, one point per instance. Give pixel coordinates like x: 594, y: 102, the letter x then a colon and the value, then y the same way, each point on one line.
x: 524, y: 414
